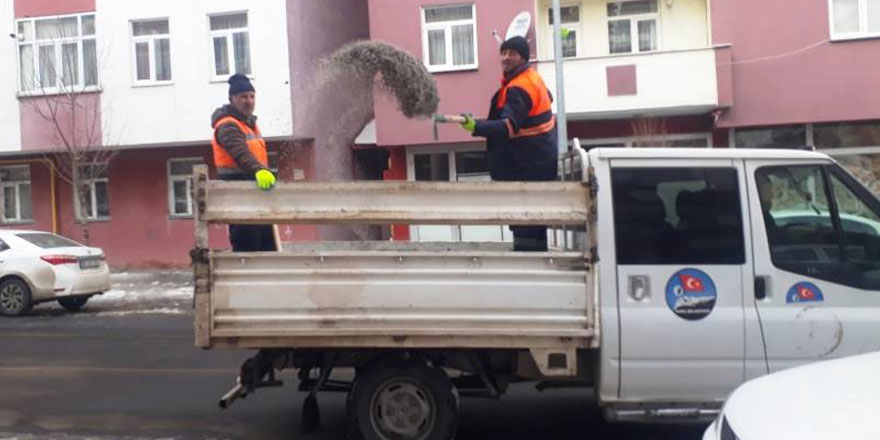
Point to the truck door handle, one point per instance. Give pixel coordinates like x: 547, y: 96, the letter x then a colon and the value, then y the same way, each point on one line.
x: 760, y: 287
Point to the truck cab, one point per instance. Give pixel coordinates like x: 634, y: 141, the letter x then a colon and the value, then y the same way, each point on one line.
x: 717, y: 266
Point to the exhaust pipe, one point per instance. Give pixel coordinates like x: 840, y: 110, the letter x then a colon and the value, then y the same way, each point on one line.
x: 233, y: 394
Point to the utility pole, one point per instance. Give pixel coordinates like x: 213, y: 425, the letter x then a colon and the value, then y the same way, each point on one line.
x: 561, y: 127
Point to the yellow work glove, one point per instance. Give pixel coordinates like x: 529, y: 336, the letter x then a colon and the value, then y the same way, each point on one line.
x: 265, y: 179
x: 470, y: 124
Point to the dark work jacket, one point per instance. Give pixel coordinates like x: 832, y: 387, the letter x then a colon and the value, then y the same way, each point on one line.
x: 532, y: 158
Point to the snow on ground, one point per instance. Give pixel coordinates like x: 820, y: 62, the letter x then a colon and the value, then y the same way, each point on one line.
x: 136, y: 294
x: 141, y: 292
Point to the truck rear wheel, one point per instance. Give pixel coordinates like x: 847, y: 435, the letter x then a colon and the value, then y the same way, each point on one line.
x: 412, y: 401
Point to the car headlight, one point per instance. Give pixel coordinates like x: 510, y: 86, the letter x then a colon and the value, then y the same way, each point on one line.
x: 726, y: 431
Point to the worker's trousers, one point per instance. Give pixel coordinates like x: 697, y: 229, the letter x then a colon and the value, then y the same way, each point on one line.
x: 526, y: 238
x: 249, y: 238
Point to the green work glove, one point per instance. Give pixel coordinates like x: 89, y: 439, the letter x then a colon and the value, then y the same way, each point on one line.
x: 470, y: 124
x: 564, y: 32
x: 265, y: 179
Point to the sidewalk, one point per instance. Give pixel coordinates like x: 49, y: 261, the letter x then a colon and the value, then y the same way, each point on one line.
x: 146, y: 291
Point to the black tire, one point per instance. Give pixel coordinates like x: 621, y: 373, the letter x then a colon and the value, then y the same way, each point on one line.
x: 403, y: 402
x: 15, y: 297
x: 73, y: 303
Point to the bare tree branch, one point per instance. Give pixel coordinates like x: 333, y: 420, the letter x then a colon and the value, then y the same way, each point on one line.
x: 60, y: 97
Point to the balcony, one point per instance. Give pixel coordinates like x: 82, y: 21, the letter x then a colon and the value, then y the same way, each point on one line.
x: 678, y: 82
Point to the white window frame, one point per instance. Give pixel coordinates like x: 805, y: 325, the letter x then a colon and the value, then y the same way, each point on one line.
x: 172, y: 178
x: 450, y: 152
x: 151, y: 42
x: 630, y: 141
x: 230, y: 47
x: 634, y: 20
x: 15, y: 186
x: 578, y: 28
x: 446, y: 26
x: 93, y: 214
x: 863, y: 24
x: 57, y: 43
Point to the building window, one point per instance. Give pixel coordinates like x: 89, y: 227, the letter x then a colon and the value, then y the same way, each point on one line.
x: 57, y: 54
x: 449, y: 38
x: 230, y: 41
x: 16, y: 183
x: 452, y: 165
x: 633, y: 26
x: 847, y: 134
x: 854, y: 18
x: 95, y: 203
x: 775, y: 137
x: 855, y: 146
x: 151, y: 47
x: 180, y: 203
x: 571, y: 21
x: 691, y: 140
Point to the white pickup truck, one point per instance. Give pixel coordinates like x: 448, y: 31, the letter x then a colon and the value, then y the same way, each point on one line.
x: 675, y: 275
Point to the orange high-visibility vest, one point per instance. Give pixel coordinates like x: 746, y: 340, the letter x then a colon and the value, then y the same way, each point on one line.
x: 530, y: 82
x: 255, y: 143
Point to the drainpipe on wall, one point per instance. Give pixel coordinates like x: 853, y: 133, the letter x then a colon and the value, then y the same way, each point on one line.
x: 52, y: 197
x: 561, y: 127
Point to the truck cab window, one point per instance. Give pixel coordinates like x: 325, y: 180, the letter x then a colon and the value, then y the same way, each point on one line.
x: 821, y: 224
x: 677, y: 216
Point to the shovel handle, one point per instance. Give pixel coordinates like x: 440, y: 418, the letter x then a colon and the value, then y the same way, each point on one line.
x: 454, y: 119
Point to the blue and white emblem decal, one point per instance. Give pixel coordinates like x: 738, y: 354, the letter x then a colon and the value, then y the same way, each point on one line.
x: 691, y: 294
x: 804, y: 292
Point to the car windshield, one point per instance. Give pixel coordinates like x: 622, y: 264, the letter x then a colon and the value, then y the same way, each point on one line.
x: 48, y: 241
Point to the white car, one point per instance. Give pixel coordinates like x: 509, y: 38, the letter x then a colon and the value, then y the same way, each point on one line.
x: 837, y: 399
x: 37, y: 266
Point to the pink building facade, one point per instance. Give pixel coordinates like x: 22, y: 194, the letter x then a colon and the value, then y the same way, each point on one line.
x: 680, y: 73
x: 145, y: 79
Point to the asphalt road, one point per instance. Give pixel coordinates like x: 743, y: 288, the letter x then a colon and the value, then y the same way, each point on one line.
x: 103, y: 375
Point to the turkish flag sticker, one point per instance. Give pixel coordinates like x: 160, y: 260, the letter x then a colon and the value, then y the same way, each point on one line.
x: 691, y: 283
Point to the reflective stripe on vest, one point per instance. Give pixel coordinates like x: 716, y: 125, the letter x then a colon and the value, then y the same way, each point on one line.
x: 531, y: 131
x: 255, y: 143
x: 530, y: 82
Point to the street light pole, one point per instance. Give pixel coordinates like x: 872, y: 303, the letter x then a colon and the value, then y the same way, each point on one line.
x: 561, y: 127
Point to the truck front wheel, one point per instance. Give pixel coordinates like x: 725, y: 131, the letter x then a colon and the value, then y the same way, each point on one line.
x: 403, y: 402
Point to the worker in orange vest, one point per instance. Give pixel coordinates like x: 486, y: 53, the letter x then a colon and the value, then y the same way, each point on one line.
x: 240, y: 154
x: 520, y: 132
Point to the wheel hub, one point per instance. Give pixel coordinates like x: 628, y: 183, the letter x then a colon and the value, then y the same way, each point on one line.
x: 403, y: 410
x: 11, y: 298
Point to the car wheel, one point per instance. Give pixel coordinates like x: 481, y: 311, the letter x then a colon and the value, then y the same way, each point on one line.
x: 73, y: 303
x: 15, y: 297
x: 403, y: 402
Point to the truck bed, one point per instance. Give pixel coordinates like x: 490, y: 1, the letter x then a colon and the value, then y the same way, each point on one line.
x: 393, y: 294
x: 406, y: 297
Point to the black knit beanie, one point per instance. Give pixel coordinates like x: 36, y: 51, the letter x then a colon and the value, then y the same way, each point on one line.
x: 239, y: 83
x: 518, y: 44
